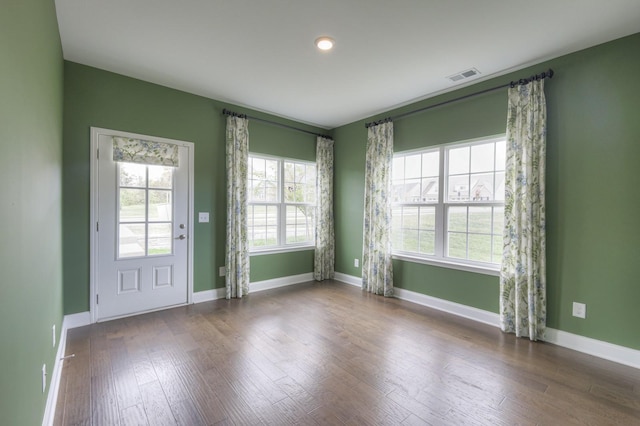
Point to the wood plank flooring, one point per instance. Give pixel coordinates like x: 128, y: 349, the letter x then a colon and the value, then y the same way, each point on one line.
x: 326, y: 353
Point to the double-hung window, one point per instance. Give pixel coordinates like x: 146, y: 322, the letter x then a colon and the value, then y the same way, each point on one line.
x: 448, y: 203
x: 282, y: 202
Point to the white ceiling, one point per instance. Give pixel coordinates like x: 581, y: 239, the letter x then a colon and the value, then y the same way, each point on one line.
x: 260, y: 53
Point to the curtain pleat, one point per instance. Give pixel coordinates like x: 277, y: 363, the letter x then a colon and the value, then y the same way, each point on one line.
x: 237, y: 246
x: 324, y: 256
x: 377, y: 270
x: 523, y: 273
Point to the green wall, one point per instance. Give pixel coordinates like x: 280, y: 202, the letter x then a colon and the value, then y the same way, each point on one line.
x: 30, y: 217
x: 98, y: 98
x: 593, y: 146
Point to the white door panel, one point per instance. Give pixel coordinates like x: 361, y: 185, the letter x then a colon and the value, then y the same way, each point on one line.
x: 142, y: 234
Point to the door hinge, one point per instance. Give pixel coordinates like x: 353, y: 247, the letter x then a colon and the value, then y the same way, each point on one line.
x: 97, y: 299
x: 98, y: 154
x: 97, y: 226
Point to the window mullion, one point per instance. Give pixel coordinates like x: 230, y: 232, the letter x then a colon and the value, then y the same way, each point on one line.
x: 146, y: 212
x: 440, y: 207
x: 282, y: 209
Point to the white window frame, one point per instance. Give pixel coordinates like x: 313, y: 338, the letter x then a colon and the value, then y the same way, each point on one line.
x: 281, y: 205
x: 441, y: 225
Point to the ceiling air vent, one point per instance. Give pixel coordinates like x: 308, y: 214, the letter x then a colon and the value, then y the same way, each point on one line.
x: 471, y: 72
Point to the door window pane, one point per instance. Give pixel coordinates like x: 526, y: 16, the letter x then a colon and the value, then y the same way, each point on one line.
x: 159, y: 239
x: 132, y: 239
x: 160, y: 177
x: 133, y: 175
x: 160, y: 206
x: 133, y: 204
x: 145, y: 210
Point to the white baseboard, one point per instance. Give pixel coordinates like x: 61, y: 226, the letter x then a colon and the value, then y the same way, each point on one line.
x: 209, y: 295
x: 254, y: 287
x: 68, y: 322
x: 280, y: 282
x: 76, y: 320
x: 348, y: 279
x: 598, y: 348
x: 454, y: 308
x: 587, y: 345
x: 54, y: 385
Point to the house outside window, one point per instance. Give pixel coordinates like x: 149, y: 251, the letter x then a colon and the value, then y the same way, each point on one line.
x: 448, y: 203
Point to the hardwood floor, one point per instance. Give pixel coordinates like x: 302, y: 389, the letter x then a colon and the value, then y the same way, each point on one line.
x: 326, y: 353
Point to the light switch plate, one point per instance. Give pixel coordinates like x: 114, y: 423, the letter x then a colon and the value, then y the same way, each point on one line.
x: 203, y: 217
x: 579, y: 310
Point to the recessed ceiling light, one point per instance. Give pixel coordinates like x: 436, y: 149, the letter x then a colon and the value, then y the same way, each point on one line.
x: 325, y: 43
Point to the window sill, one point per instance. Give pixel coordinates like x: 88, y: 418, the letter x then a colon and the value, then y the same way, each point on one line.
x: 278, y: 250
x: 479, y: 269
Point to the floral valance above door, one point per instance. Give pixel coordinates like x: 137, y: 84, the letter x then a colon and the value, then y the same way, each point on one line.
x: 144, y: 152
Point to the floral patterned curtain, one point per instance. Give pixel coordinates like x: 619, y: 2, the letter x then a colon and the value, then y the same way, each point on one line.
x: 377, y: 270
x: 237, y: 249
x: 324, y: 257
x: 144, y: 152
x: 523, y: 275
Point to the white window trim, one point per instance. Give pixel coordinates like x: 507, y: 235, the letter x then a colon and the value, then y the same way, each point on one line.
x: 276, y: 250
x: 281, y: 205
x: 438, y: 259
x: 477, y: 267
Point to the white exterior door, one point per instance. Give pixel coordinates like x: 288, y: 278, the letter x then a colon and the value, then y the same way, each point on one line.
x: 141, y: 241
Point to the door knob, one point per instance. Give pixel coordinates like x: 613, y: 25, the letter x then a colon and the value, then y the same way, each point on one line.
x: 181, y: 237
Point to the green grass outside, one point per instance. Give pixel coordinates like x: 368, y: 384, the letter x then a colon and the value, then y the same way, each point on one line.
x: 414, y: 231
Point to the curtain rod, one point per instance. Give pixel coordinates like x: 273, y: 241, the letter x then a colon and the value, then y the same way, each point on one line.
x: 545, y: 74
x: 274, y: 123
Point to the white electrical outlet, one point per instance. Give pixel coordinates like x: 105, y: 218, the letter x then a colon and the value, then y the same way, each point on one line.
x: 203, y: 217
x: 222, y: 271
x: 356, y: 262
x: 53, y: 334
x: 44, y: 377
x: 579, y: 310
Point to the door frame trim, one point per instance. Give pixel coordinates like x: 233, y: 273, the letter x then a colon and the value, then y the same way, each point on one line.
x: 93, y: 261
